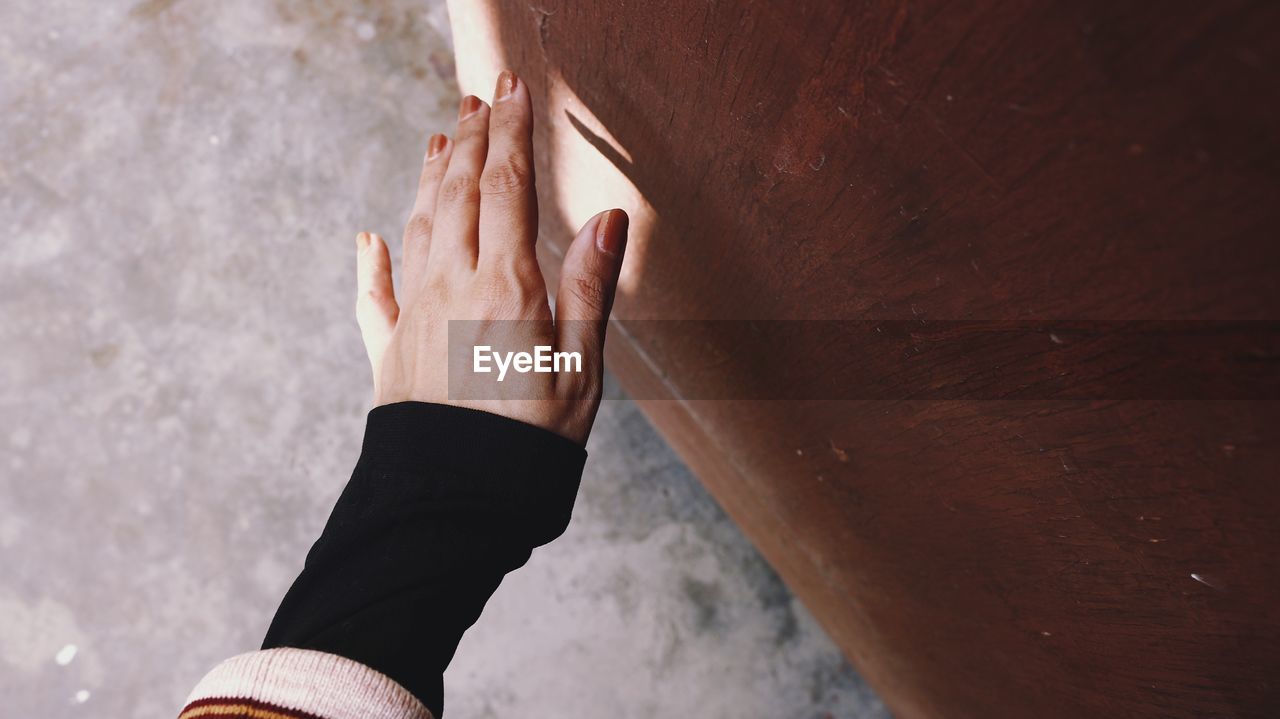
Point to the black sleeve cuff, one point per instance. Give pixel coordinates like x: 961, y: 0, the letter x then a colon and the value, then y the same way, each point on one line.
x: 478, y: 461
x: 442, y: 504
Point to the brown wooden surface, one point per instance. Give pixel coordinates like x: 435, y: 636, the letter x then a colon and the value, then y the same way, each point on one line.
x: 943, y: 161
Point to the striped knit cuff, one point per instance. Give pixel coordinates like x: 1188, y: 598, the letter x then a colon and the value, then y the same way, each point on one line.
x: 299, y: 684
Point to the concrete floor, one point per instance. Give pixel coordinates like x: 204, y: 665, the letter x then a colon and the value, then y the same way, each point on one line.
x: 182, y: 386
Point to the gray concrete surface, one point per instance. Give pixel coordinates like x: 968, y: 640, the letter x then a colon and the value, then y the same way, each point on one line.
x: 182, y: 386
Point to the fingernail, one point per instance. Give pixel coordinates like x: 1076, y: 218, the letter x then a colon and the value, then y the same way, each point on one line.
x: 470, y: 104
x: 611, y: 235
x: 506, y: 85
x: 435, y: 145
x: 362, y: 240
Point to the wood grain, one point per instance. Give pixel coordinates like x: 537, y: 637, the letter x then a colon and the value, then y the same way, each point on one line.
x: 1016, y: 161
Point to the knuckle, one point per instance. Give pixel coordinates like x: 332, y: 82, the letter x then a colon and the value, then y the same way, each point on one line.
x: 430, y: 177
x: 500, y: 290
x: 419, y: 226
x: 513, y: 124
x: 506, y: 177
x: 509, y: 296
x: 589, y: 291
x: 460, y: 189
x: 497, y: 301
x: 471, y: 133
x: 435, y: 286
x: 522, y: 278
x: 376, y: 298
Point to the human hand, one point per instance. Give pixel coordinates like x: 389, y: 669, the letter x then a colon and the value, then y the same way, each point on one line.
x: 469, y: 255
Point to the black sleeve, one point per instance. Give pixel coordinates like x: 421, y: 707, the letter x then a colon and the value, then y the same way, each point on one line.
x: 442, y: 504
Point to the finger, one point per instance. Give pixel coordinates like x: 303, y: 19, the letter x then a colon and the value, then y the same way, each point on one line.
x: 417, y: 233
x: 376, y: 308
x: 588, y: 282
x: 508, y: 202
x: 454, y: 232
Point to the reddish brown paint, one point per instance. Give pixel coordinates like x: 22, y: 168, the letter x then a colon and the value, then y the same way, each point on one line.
x: 987, y: 160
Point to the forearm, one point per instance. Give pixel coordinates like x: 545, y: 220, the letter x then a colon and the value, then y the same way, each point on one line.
x: 443, y: 502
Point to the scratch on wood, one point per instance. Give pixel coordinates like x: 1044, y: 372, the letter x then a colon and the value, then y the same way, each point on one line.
x: 1202, y: 580
x: 544, y: 30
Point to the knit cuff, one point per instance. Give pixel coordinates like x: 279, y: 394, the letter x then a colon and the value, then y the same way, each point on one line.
x: 299, y: 684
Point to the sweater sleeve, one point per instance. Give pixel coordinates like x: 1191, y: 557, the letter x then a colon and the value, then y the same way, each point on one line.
x: 443, y: 502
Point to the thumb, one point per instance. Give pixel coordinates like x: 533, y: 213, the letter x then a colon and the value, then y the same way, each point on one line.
x: 588, y: 282
x: 376, y: 308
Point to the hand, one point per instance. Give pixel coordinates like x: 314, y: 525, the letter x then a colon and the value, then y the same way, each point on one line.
x: 469, y: 255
